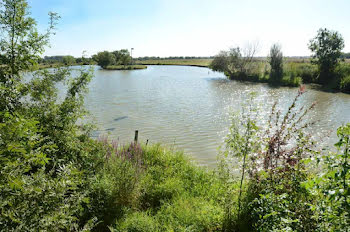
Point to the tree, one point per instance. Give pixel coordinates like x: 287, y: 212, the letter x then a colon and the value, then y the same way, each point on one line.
x: 276, y: 62
x: 220, y: 62
x: 326, y: 48
x: 122, y: 57
x: 68, y: 60
x: 44, y: 158
x: 237, y: 62
x: 21, y: 46
x: 104, y: 59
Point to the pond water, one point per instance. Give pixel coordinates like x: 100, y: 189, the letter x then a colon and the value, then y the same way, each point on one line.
x: 189, y: 108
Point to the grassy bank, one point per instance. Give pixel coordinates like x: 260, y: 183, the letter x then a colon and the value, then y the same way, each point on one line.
x: 125, y: 67
x: 154, y: 189
x: 184, y: 62
x: 295, y: 73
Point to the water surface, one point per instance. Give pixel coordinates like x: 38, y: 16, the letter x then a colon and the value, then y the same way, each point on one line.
x: 189, y: 107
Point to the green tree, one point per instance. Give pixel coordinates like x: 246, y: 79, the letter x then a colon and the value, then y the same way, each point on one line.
x: 276, y: 62
x: 69, y: 60
x: 104, y: 59
x: 326, y: 48
x: 220, y: 62
x: 122, y: 57
x: 236, y: 62
x: 21, y: 45
x: 44, y: 154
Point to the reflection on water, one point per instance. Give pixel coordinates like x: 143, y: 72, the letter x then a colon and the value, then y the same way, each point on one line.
x: 189, y: 107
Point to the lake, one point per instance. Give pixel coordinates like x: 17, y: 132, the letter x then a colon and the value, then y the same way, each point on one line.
x: 189, y: 108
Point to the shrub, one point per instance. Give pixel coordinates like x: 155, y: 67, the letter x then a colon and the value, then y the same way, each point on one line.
x: 343, y: 77
x: 190, y: 214
x: 115, y: 188
x: 291, y: 81
x: 237, y: 63
x: 331, y: 187
x: 345, y: 84
x: 138, y: 222
x: 273, y: 158
x: 276, y: 62
x: 308, y: 72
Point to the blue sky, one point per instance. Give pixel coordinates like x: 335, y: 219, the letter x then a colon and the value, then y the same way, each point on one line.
x: 189, y: 27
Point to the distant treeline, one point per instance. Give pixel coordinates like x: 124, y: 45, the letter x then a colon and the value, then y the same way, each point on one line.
x: 66, y: 60
x: 345, y: 55
x: 174, y: 57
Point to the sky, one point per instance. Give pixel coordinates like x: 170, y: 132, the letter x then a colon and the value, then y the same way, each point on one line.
x: 189, y: 27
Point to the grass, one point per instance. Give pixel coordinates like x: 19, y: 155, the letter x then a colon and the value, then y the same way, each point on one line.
x: 295, y: 73
x: 182, y: 62
x: 125, y: 67
x: 150, y: 188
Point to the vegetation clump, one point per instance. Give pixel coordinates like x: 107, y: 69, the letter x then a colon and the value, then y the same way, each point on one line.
x: 117, y: 60
x: 326, y: 48
x: 276, y: 63
x: 324, y: 67
x: 127, y: 67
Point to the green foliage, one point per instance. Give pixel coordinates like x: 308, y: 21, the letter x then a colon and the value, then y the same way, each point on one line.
x: 20, y: 42
x: 113, y: 190
x: 191, y: 214
x: 59, y: 61
x: 45, y: 155
x: 220, y: 62
x: 345, y: 55
x: 240, y: 64
x: 343, y: 76
x: 307, y: 71
x: 139, y: 222
x: 125, y: 67
x: 104, y: 58
x: 331, y: 187
x: 198, y: 62
x: 109, y: 59
x: 122, y: 57
x: 291, y: 81
x: 326, y: 48
x: 345, y: 84
x: 237, y: 63
x: 273, y: 156
x: 337, y: 186
x: 68, y: 60
x: 173, y: 194
x: 276, y: 62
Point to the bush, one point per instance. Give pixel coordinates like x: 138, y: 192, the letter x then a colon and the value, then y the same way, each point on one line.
x: 273, y: 159
x: 343, y: 77
x: 331, y: 188
x: 191, y: 214
x: 345, y: 84
x: 138, y: 222
x: 276, y: 63
x: 112, y: 191
x: 291, y: 81
x: 307, y: 72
